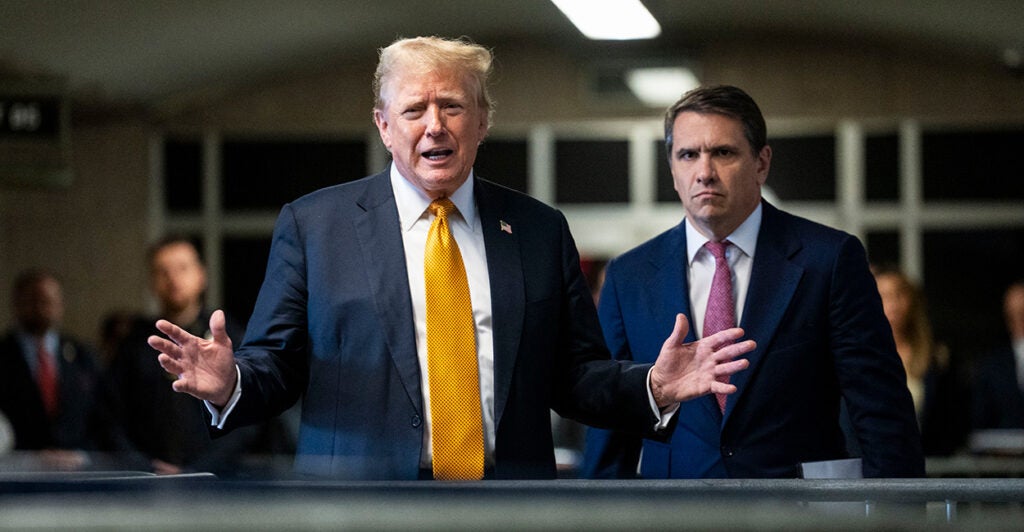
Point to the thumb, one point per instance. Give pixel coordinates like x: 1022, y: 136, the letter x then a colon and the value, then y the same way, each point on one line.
x: 218, y: 328
x: 682, y: 327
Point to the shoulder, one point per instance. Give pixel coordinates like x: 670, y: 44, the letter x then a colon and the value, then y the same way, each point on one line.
x: 669, y: 242
x: 351, y: 191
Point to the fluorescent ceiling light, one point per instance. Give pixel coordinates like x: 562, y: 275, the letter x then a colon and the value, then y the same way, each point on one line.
x: 610, y: 19
x: 660, y: 86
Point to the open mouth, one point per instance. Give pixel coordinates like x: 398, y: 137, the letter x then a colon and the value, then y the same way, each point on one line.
x: 437, y: 155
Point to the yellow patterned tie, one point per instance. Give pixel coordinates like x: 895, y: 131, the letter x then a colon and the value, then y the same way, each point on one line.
x: 457, y: 431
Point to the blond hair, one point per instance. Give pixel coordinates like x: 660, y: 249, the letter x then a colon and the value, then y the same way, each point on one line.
x: 421, y: 55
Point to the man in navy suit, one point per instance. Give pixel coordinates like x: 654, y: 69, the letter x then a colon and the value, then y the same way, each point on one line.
x: 48, y: 379
x: 801, y: 290
x: 340, y: 317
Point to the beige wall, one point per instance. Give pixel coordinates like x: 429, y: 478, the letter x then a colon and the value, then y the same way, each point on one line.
x: 90, y: 234
x: 94, y: 233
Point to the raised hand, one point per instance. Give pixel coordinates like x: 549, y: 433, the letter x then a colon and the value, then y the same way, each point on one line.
x: 205, y: 368
x: 686, y: 371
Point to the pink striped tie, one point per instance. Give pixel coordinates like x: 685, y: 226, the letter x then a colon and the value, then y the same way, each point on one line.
x: 720, y: 313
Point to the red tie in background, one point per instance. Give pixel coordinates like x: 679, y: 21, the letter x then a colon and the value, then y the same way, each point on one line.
x: 720, y: 313
x: 46, y: 377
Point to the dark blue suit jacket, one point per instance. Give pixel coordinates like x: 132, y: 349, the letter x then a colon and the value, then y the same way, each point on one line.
x: 814, y: 311
x: 334, y: 322
x: 77, y: 424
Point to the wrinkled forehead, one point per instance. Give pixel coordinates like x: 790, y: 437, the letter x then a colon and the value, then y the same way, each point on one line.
x: 409, y: 78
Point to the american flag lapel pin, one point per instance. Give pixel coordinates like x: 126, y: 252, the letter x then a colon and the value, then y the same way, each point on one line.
x: 505, y: 226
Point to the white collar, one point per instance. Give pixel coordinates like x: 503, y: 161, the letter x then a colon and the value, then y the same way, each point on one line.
x: 744, y: 237
x: 412, y: 202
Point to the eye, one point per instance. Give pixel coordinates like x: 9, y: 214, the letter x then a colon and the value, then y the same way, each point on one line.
x: 412, y: 112
x: 687, y: 155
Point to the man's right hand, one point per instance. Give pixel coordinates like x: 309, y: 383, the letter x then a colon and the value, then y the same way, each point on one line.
x: 205, y: 368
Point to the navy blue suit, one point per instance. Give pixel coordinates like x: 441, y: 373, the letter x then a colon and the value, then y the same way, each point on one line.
x: 334, y: 322
x: 814, y: 311
x: 77, y: 424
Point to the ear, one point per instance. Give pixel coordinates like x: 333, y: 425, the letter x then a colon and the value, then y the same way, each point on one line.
x: 764, y: 163
x: 380, y: 119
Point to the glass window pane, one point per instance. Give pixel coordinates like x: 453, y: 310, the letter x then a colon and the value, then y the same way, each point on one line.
x: 592, y: 171
x: 884, y: 248
x: 183, y: 175
x: 803, y: 168
x: 882, y: 167
x: 973, y: 165
x: 965, y: 275
x: 666, y: 190
x: 503, y: 161
x: 265, y: 174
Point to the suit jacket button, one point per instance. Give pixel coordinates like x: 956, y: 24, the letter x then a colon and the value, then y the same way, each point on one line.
x: 727, y: 452
x: 416, y: 421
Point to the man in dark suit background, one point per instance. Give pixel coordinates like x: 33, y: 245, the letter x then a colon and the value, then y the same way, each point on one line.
x: 343, y: 317
x: 49, y: 379
x: 160, y: 430
x: 999, y: 379
x: 801, y: 290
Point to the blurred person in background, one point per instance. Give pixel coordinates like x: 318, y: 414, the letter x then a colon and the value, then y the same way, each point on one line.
x: 167, y: 430
x: 48, y: 379
x: 938, y: 394
x: 999, y: 384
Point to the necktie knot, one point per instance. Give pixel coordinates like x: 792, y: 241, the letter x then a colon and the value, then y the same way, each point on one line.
x: 442, y: 207
x: 717, y: 249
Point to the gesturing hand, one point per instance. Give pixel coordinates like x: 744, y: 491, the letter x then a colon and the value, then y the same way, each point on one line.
x: 686, y: 371
x: 205, y: 368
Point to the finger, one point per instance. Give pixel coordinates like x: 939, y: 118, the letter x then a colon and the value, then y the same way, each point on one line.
x: 164, y: 345
x: 218, y: 328
x: 731, y: 368
x: 725, y: 336
x: 732, y: 351
x: 179, y: 335
x: 170, y: 365
x: 723, y: 388
x: 182, y: 385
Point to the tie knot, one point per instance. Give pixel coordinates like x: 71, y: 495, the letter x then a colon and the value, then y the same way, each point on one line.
x: 442, y: 207
x: 717, y: 249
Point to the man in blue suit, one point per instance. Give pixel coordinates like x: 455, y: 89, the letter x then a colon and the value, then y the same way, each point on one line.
x: 340, y: 319
x: 801, y: 290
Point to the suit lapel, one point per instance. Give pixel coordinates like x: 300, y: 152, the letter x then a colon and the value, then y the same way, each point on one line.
x: 505, y: 273
x: 668, y: 286
x: 378, y: 230
x: 773, y: 281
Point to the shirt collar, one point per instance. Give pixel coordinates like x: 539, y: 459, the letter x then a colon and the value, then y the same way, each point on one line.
x: 744, y: 237
x: 412, y: 202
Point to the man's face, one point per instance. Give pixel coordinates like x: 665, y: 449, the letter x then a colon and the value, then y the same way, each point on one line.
x: 177, y: 277
x: 1014, y: 309
x: 716, y: 172
x: 432, y: 124
x: 39, y: 306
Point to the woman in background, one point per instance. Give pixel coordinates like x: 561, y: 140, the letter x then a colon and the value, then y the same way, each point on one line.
x: 938, y: 399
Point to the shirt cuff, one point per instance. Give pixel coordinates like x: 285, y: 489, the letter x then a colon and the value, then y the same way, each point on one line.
x: 664, y: 418
x: 219, y: 416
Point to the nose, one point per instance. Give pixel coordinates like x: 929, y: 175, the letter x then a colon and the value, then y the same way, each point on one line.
x: 705, y: 169
x: 435, y: 121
